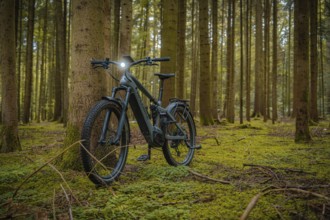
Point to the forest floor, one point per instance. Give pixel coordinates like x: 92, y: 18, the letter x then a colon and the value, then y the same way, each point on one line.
x: 255, y: 167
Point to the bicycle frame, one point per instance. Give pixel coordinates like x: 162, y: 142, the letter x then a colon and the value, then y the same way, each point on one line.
x: 131, y: 86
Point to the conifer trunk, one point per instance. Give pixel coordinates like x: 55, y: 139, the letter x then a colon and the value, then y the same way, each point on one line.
x: 29, y: 64
x: 87, y: 84
x: 313, y: 59
x: 169, y: 45
x: 274, y: 63
x: 9, y: 140
x: 205, y: 84
x: 302, y: 71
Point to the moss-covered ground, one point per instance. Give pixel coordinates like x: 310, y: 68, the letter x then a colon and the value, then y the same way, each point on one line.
x: 255, y: 157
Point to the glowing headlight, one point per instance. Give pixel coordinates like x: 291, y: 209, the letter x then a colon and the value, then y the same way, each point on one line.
x: 122, y: 65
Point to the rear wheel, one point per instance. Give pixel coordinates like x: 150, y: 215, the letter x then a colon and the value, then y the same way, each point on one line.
x: 102, y: 161
x: 178, y: 152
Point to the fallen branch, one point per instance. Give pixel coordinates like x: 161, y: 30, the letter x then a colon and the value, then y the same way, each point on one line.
x: 208, y: 178
x: 274, y: 168
x: 255, y: 199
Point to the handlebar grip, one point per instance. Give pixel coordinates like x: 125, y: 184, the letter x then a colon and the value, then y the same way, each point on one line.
x: 160, y: 59
x: 95, y: 62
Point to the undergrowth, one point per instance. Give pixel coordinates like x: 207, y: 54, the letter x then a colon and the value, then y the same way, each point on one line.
x: 254, y: 158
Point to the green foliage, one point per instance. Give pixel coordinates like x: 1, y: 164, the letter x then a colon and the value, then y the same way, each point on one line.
x: 155, y: 190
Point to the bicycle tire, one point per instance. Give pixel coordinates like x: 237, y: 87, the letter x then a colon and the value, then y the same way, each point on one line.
x: 103, y: 162
x: 177, y: 152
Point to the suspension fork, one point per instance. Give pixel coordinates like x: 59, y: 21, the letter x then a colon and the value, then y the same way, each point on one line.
x: 122, y: 118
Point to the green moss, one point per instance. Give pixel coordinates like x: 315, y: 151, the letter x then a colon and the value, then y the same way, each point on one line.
x: 71, y: 158
x: 155, y: 190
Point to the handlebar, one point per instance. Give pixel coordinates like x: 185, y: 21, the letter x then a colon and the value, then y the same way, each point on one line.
x: 149, y: 61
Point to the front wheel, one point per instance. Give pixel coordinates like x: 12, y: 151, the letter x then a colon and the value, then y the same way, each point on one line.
x: 180, y: 152
x: 102, y: 161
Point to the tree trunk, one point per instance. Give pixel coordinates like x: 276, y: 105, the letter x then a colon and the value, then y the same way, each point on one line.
x: 107, y: 37
x: 29, y: 64
x: 194, y: 54
x: 302, y: 71
x: 181, y: 49
x: 248, y: 59
x: 265, y: 109
x: 9, y: 141
x: 205, y: 80
x: 230, y: 92
x: 313, y: 59
x: 241, y: 65
x: 258, y: 95
x: 274, y: 63
x: 289, y: 90
x: 169, y: 46
x: 125, y: 30
x: 214, y: 61
x: 42, y: 87
x: 87, y: 85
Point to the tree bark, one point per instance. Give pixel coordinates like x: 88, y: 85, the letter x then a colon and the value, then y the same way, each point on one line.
x: 230, y: 92
x: 169, y: 46
x: 181, y: 49
x: 302, y: 71
x: 125, y: 30
x: 266, y: 88
x: 313, y: 59
x: 258, y: 95
x: 241, y: 65
x: 214, y: 61
x: 87, y: 86
x: 9, y: 141
x: 194, y: 67
x: 274, y: 63
x: 42, y: 87
x: 248, y: 60
x: 29, y: 64
x: 204, y: 86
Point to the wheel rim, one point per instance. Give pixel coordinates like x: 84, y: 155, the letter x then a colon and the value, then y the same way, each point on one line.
x: 178, y: 149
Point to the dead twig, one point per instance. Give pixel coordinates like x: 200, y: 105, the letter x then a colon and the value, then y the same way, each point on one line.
x: 208, y: 178
x: 66, y: 183
x: 54, y: 211
x: 275, y: 168
x: 69, y: 203
x: 255, y: 199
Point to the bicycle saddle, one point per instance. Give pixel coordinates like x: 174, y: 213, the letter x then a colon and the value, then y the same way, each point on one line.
x: 164, y: 75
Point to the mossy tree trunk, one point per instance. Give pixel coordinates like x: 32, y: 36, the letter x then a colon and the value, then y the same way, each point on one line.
x: 302, y: 71
x: 87, y: 84
x: 9, y: 131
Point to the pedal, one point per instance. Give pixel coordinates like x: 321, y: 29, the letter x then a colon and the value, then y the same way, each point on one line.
x: 144, y: 157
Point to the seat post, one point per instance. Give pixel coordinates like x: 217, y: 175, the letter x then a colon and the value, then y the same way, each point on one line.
x: 161, y: 89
